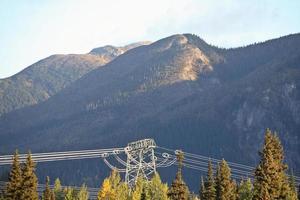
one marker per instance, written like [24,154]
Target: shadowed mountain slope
[45,78]
[180,91]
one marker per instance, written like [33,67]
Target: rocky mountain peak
[114,51]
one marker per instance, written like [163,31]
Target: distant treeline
[271,182]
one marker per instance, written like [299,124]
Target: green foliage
[245,190]
[202,189]
[58,192]
[29,181]
[178,189]
[83,193]
[156,189]
[209,186]
[113,189]
[139,189]
[14,186]
[48,194]
[225,187]
[271,180]
[69,193]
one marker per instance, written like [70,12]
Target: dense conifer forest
[271,182]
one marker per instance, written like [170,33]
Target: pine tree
[178,189]
[14,186]
[209,192]
[83,193]
[271,180]
[225,187]
[156,189]
[58,192]
[47,194]
[245,190]
[29,183]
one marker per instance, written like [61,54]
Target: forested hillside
[180,91]
[48,76]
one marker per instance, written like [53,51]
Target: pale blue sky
[34,29]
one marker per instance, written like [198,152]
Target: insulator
[116,151]
[166,155]
[104,155]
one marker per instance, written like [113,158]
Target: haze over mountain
[45,78]
[180,91]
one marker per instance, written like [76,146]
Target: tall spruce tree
[30,182]
[47,194]
[58,191]
[178,189]
[14,186]
[271,180]
[202,189]
[245,190]
[225,187]
[209,192]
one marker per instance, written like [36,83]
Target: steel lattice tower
[141,161]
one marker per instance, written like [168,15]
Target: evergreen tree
[69,193]
[271,180]
[209,192]
[225,187]
[299,192]
[47,194]
[156,189]
[30,182]
[245,191]
[2,197]
[292,185]
[202,189]
[14,186]
[178,189]
[58,192]
[83,193]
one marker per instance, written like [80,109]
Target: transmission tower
[141,160]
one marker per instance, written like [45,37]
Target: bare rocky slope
[180,91]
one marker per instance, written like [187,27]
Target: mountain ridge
[222,111]
[48,76]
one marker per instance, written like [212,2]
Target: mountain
[45,78]
[180,91]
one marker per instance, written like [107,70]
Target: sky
[31,30]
